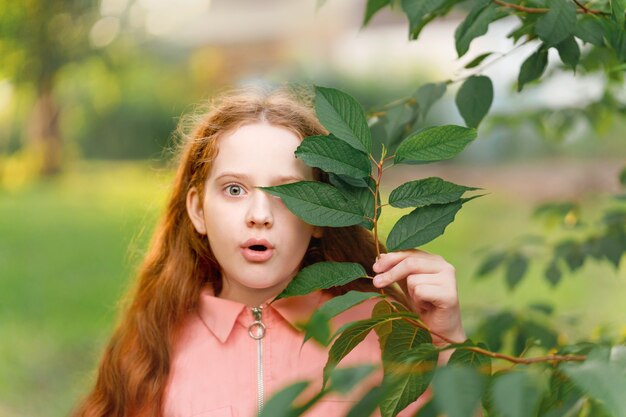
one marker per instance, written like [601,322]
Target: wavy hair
[133,371]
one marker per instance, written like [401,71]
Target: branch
[581,9]
[513,359]
[379,167]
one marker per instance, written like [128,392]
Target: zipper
[257,332]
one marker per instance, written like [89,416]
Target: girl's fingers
[388,260]
[432,292]
[400,267]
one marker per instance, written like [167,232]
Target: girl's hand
[430,284]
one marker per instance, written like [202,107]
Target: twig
[513,359]
[581,9]
[379,167]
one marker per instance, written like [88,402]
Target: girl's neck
[251,298]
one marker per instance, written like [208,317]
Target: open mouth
[257,250]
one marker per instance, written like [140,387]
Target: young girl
[199,337]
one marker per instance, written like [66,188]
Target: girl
[198,338]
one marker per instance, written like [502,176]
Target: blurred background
[90,96]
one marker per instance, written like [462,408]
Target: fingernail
[378,280]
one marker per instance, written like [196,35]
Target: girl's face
[257,241]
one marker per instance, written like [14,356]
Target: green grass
[68,249]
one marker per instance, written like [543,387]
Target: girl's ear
[318,232]
[195,210]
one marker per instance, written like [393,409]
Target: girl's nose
[260,210]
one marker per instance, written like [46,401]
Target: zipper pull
[257,328]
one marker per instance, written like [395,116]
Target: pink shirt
[219,370]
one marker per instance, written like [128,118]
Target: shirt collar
[220,315]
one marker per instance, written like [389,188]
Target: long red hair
[134,368]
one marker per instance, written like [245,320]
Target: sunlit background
[90,96]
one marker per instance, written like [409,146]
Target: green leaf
[280,405]
[363,195]
[399,336]
[496,327]
[396,119]
[622,176]
[601,380]
[516,394]
[616,38]
[344,117]
[420,13]
[434,144]
[333,155]
[590,29]
[470,358]
[475,24]
[478,60]
[368,403]
[558,24]
[562,396]
[409,377]
[344,380]
[350,336]
[491,263]
[425,192]
[318,203]
[372,7]
[515,269]
[569,52]
[457,390]
[553,273]
[322,275]
[318,327]
[427,95]
[571,251]
[532,68]
[618,7]
[421,225]
[474,99]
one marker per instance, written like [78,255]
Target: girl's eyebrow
[277,180]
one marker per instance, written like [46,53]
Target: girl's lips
[252,255]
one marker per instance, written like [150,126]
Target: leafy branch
[353,198]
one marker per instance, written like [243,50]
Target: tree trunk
[44,135]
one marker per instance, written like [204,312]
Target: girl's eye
[234,190]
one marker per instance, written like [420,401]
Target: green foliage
[408,356]
[372,7]
[421,13]
[280,403]
[516,394]
[333,155]
[349,337]
[318,204]
[533,67]
[458,390]
[474,99]
[434,144]
[427,191]
[602,378]
[322,275]
[558,23]
[569,51]
[318,326]
[422,225]
[604,242]
[409,375]
[427,95]
[475,24]
[344,117]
